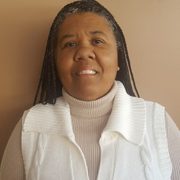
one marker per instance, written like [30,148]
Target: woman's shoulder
[40,107]
[153,107]
[155,113]
[45,117]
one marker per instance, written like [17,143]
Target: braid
[50,87]
[49,82]
[126,75]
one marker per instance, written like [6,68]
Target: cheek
[110,60]
[64,67]
[63,74]
[63,62]
[61,68]
[115,61]
[111,66]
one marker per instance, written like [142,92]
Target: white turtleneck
[89,119]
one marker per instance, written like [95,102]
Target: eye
[97,41]
[70,44]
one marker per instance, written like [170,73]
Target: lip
[86,71]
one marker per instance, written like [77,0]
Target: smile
[91,72]
[87,72]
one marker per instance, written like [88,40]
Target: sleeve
[173,135]
[12,161]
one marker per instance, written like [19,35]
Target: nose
[84,53]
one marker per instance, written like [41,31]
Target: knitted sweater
[89,117]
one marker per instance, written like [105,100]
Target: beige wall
[152,33]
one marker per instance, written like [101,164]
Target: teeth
[91,72]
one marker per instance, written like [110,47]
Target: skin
[86,56]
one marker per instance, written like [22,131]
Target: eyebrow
[97,32]
[66,36]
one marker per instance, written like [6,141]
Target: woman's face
[86,56]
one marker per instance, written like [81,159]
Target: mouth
[87,72]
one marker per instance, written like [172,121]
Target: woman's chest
[55,157]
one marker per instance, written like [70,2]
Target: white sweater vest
[133,143]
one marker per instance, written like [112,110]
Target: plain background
[151,28]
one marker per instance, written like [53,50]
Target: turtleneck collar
[128,116]
[91,109]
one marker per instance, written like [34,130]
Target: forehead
[87,20]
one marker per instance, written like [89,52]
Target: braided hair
[50,87]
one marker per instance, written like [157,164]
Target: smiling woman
[49,85]
[86,56]
[87,122]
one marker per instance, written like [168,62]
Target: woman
[87,125]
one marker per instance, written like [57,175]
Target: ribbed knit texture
[12,166]
[174,147]
[89,120]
